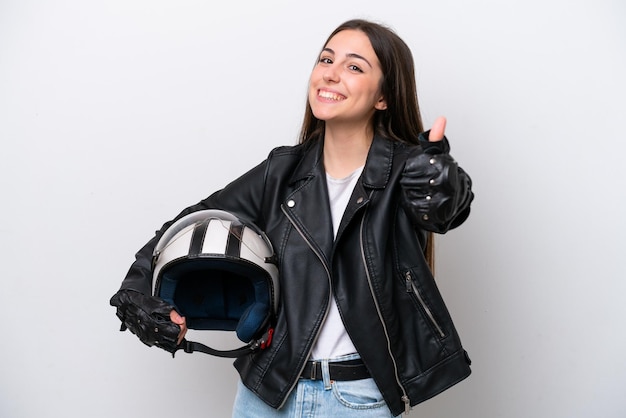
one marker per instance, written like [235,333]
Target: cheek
[312,99]
[313,82]
[312,95]
[374,91]
[316,75]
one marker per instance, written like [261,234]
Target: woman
[362,329]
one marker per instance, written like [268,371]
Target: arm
[153,320]
[436,192]
[242,197]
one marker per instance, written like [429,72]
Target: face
[345,84]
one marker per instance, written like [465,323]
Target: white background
[116,114]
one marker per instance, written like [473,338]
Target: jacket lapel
[375,176]
[307,206]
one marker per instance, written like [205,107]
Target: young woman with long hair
[361,329]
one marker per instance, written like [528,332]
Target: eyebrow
[350,55]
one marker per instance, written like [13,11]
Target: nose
[331,75]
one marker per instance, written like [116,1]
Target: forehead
[351,41]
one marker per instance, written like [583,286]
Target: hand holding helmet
[147,317]
[220,272]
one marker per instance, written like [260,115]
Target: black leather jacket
[385,292]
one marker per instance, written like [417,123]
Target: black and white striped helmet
[220,273]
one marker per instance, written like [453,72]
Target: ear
[381,104]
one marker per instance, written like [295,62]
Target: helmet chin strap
[259,344]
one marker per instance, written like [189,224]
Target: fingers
[438,129]
[180,321]
[176,318]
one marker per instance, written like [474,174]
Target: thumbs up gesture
[438,130]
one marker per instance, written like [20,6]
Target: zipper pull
[408,280]
[407,405]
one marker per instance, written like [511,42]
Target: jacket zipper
[405,396]
[329,295]
[411,288]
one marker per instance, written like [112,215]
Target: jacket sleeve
[242,197]
[436,192]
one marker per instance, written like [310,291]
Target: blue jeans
[318,399]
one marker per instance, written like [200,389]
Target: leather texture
[385,292]
[342,371]
[148,318]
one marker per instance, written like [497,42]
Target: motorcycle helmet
[220,273]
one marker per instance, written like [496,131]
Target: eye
[356,68]
[325,60]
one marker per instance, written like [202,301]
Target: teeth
[330,95]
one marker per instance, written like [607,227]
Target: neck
[345,150]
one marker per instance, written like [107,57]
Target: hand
[149,318]
[181,322]
[437,131]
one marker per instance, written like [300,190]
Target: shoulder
[294,155]
[287,151]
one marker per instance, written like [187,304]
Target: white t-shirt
[333,340]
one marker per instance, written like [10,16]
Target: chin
[325,116]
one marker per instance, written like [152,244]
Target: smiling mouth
[330,95]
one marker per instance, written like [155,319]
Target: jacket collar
[378,165]
[375,173]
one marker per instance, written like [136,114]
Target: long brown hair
[401,121]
